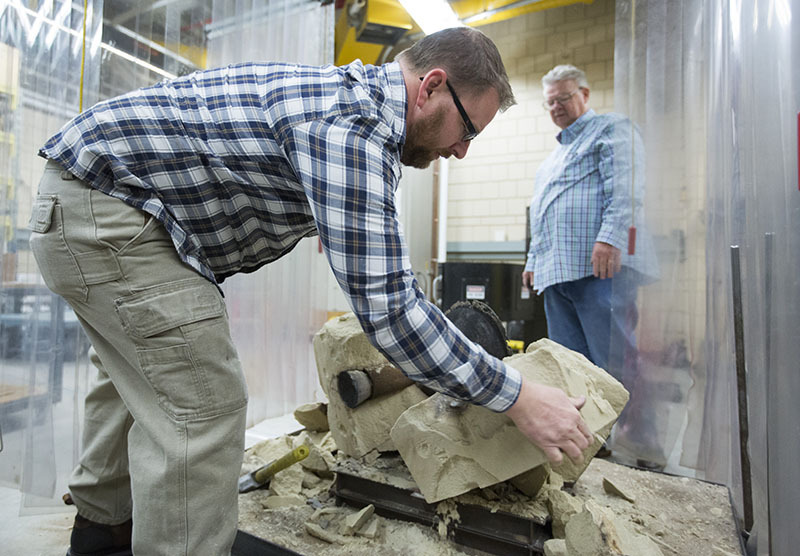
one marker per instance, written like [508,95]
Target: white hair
[563,73]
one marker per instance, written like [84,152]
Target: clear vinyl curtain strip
[753,186]
[276,311]
[654,88]
[43,366]
[715,88]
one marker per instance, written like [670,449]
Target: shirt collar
[396,92]
[569,134]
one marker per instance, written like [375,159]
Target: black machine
[499,285]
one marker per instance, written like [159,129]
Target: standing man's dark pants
[596,318]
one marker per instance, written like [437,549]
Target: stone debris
[313,416]
[597,530]
[320,458]
[615,490]
[604,395]
[450,452]
[307,478]
[341,345]
[531,482]
[447,515]
[322,534]
[276,501]
[555,547]
[354,522]
[562,506]
[456,455]
[370,530]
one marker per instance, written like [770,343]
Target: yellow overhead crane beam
[370,30]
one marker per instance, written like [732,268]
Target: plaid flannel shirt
[240,163]
[583,195]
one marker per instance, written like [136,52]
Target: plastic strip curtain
[657,84]
[43,364]
[715,89]
[44,367]
[753,102]
[276,311]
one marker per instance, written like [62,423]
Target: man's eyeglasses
[471,131]
[562,100]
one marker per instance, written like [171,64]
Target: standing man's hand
[550,419]
[527,280]
[606,260]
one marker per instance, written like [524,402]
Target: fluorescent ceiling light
[431,15]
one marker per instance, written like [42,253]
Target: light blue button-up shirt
[583,194]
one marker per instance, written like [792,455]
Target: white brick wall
[490,188]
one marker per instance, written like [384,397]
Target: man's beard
[418,134]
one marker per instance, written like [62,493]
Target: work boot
[90,538]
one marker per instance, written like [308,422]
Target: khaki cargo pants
[163,435]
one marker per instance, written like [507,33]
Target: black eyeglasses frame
[471,131]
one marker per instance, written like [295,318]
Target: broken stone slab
[562,506]
[342,345]
[449,452]
[313,416]
[353,522]
[555,547]
[606,390]
[531,482]
[597,530]
[316,531]
[370,530]
[615,490]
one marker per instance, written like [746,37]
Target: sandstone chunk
[615,490]
[450,452]
[356,520]
[370,530]
[313,416]
[555,547]
[598,531]
[562,506]
[341,345]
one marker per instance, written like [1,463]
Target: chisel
[261,476]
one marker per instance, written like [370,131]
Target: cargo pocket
[184,348]
[42,213]
[55,260]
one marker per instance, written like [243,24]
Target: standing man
[151,199]
[580,216]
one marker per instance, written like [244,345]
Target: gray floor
[45,531]
[32,535]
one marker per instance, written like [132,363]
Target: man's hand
[527,280]
[606,260]
[550,419]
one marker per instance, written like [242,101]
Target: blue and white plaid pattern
[242,162]
[583,195]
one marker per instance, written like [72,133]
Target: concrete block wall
[490,189]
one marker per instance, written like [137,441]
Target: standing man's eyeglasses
[561,101]
[471,131]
